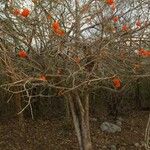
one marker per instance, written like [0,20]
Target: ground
[55,134]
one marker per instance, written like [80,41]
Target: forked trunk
[80,115]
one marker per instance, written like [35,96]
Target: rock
[120,119]
[131,147]
[113,147]
[118,122]
[142,144]
[104,148]
[124,144]
[110,127]
[136,144]
[122,148]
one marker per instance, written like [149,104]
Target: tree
[73,48]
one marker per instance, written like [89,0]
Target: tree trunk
[137,94]
[80,115]
[68,115]
[18,109]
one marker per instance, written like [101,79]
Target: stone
[122,148]
[142,144]
[104,147]
[110,127]
[118,122]
[124,144]
[120,119]
[113,147]
[136,144]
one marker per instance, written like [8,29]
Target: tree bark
[80,115]
[137,95]
[19,108]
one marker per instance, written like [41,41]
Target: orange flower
[56,26]
[147,53]
[110,2]
[124,28]
[113,7]
[49,17]
[57,29]
[117,83]
[138,23]
[25,12]
[16,12]
[42,77]
[22,54]
[60,32]
[143,52]
[115,19]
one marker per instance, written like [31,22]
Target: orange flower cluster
[117,83]
[125,28]
[57,29]
[42,77]
[115,19]
[25,13]
[22,54]
[110,2]
[138,23]
[16,12]
[113,7]
[49,17]
[143,52]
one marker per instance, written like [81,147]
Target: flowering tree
[73,48]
